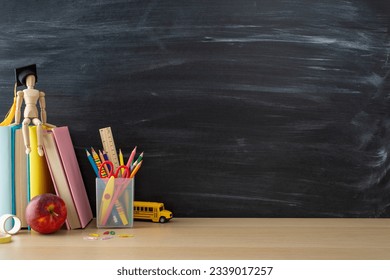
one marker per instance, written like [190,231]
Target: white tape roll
[3,220]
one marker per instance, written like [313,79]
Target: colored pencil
[93,164]
[121,162]
[105,156]
[136,168]
[102,159]
[98,162]
[131,158]
[121,158]
[139,159]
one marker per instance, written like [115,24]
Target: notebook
[60,180]
[72,171]
[40,179]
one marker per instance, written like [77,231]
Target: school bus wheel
[162,219]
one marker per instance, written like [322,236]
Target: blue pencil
[92,162]
[105,156]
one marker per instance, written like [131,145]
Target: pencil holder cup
[114,202]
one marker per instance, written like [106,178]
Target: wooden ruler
[109,145]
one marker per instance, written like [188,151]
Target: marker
[92,162]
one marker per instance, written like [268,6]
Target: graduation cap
[22,73]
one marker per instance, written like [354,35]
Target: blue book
[6,172]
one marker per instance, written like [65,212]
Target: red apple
[46,213]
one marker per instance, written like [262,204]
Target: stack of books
[26,176]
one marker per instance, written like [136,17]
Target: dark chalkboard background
[243,108]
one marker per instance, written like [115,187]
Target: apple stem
[51,210]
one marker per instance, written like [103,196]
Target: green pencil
[141,156]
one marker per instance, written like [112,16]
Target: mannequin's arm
[19,101]
[42,104]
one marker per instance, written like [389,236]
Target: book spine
[5,171]
[40,179]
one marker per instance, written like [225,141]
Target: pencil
[136,168]
[139,159]
[102,159]
[121,160]
[92,162]
[131,158]
[105,155]
[98,162]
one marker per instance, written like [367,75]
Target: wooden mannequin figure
[28,76]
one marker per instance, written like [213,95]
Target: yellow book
[40,178]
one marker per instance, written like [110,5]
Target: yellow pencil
[121,212]
[121,162]
[102,159]
[136,168]
[98,162]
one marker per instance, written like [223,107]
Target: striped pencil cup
[114,202]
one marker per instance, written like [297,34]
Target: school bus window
[150,209]
[161,208]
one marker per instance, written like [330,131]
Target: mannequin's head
[26,75]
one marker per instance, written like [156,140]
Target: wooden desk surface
[215,238]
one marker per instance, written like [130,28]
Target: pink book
[73,174]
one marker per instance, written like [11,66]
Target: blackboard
[243,108]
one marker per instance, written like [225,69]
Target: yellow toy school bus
[154,211]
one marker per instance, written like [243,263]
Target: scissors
[110,165]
